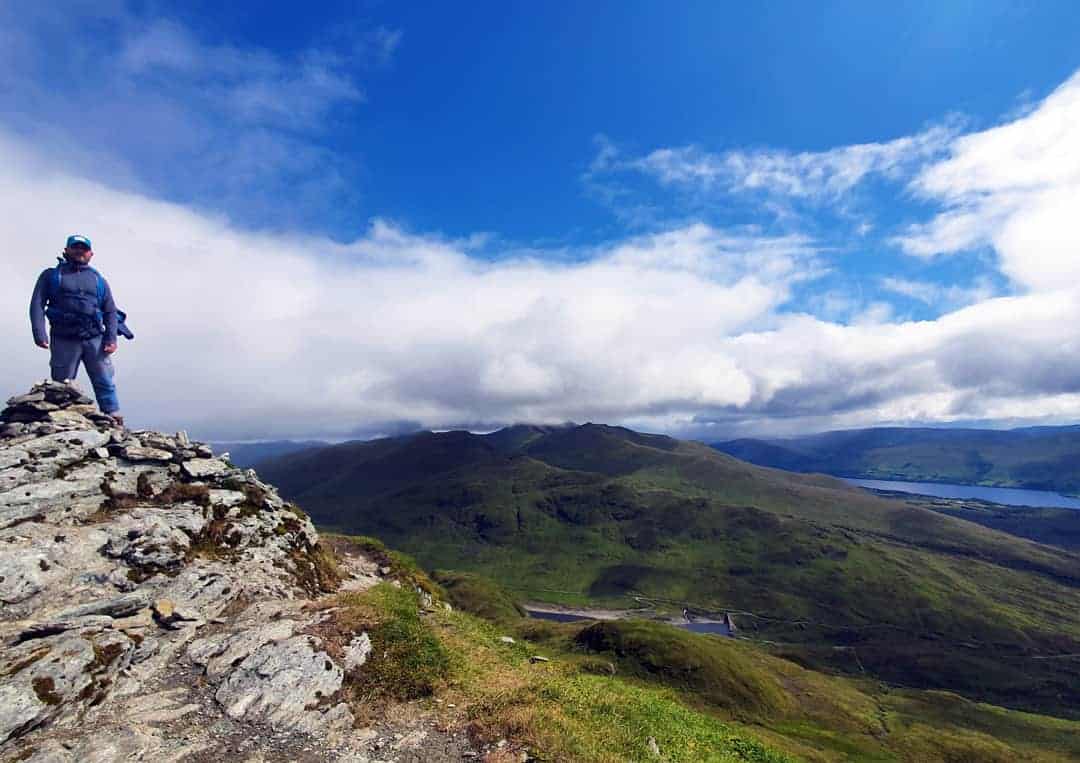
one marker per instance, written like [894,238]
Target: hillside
[833,575]
[1036,458]
[1055,527]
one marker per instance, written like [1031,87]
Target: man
[82,317]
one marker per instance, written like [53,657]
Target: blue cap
[77,239]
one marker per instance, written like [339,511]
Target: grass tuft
[407,660]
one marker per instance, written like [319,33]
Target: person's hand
[109,348]
[43,344]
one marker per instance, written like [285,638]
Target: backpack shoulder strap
[100,287]
[57,277]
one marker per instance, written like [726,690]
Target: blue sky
[845,173]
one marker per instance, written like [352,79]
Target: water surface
[699,627]
[1004,495]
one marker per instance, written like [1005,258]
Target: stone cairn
[50,407]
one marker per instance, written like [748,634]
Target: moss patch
[45,689]
[407,660]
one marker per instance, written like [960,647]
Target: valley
[817,571]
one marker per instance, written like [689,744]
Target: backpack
[88,326]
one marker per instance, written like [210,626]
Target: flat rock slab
[200,468]
[143,453]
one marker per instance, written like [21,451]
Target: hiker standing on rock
[83,322]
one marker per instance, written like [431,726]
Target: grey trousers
[65,356]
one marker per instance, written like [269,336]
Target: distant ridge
[1035,458]
[248,454]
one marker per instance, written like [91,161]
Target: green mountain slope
[640,690]
[247,454]
[1055,527]
[834,576]
[1037,458]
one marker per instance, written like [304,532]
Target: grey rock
[219,655]
[119,606]
[146,649]
[61,625]
[199,468]
[39,406]
[357,651]
[12,457]
[12,429]
[142,453]
[30,397]
[45,688]
[159,441]
[226,498]
[86,672]
[21,575]
[154,538]
[278,681]
[69,419]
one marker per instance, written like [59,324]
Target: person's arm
[37,310]
[108,313]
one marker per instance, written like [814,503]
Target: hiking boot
[118,419]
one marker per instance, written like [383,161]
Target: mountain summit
[161,604]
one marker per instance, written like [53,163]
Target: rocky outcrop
[156,601]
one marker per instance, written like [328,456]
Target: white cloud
[245,334]
[940,295]
[246,331]
[152,104]
[1015,187]
[815,175]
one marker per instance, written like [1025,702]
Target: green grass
[702,698]
[562,713]
[1053,526]
[623,716]
[407,659]
[479,596]
[610,686]
[713,669]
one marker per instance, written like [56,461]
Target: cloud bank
[247,334]
[701,327]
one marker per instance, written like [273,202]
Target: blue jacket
[78,294]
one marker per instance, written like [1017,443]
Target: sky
[710,219]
